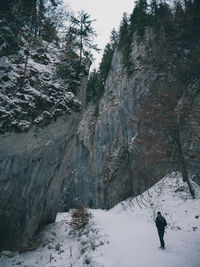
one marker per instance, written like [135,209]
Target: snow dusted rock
[25,98]
[21,125]
[8,254]
[38,120]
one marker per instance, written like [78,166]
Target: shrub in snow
[80,219]
[57,247]
[8,254]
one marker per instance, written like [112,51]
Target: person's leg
[162,239]
[161,235]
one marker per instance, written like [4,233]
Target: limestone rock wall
[33,168]
[128,142]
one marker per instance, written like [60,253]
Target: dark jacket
[160,222]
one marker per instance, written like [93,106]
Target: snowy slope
[125,236]
[133,236]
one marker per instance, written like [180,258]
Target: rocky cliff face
[107,152]
[33,167]
[38,119]
[140,127]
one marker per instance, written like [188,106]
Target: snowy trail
[125,246]
[126,235]
[133,241]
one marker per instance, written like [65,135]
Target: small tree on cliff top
[83,34]
[97,79]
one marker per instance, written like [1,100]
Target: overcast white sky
[108,14]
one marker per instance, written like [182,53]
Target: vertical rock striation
[33,166]
[129,141]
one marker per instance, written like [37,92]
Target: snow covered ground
[124,236]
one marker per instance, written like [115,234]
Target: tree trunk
[81,47]
[182,165]
[40,15]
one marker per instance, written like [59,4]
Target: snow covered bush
[80,218]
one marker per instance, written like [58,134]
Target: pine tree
[124,34]
[106,61]
[114,36]
[97,79]
[192,11]
[83,33]
[94,87]
[139,17]
[179,20]
[153,12]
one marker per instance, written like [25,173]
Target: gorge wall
[108,151]
[141,127]
[38,120]
[33,166]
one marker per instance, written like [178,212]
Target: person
[161,224]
